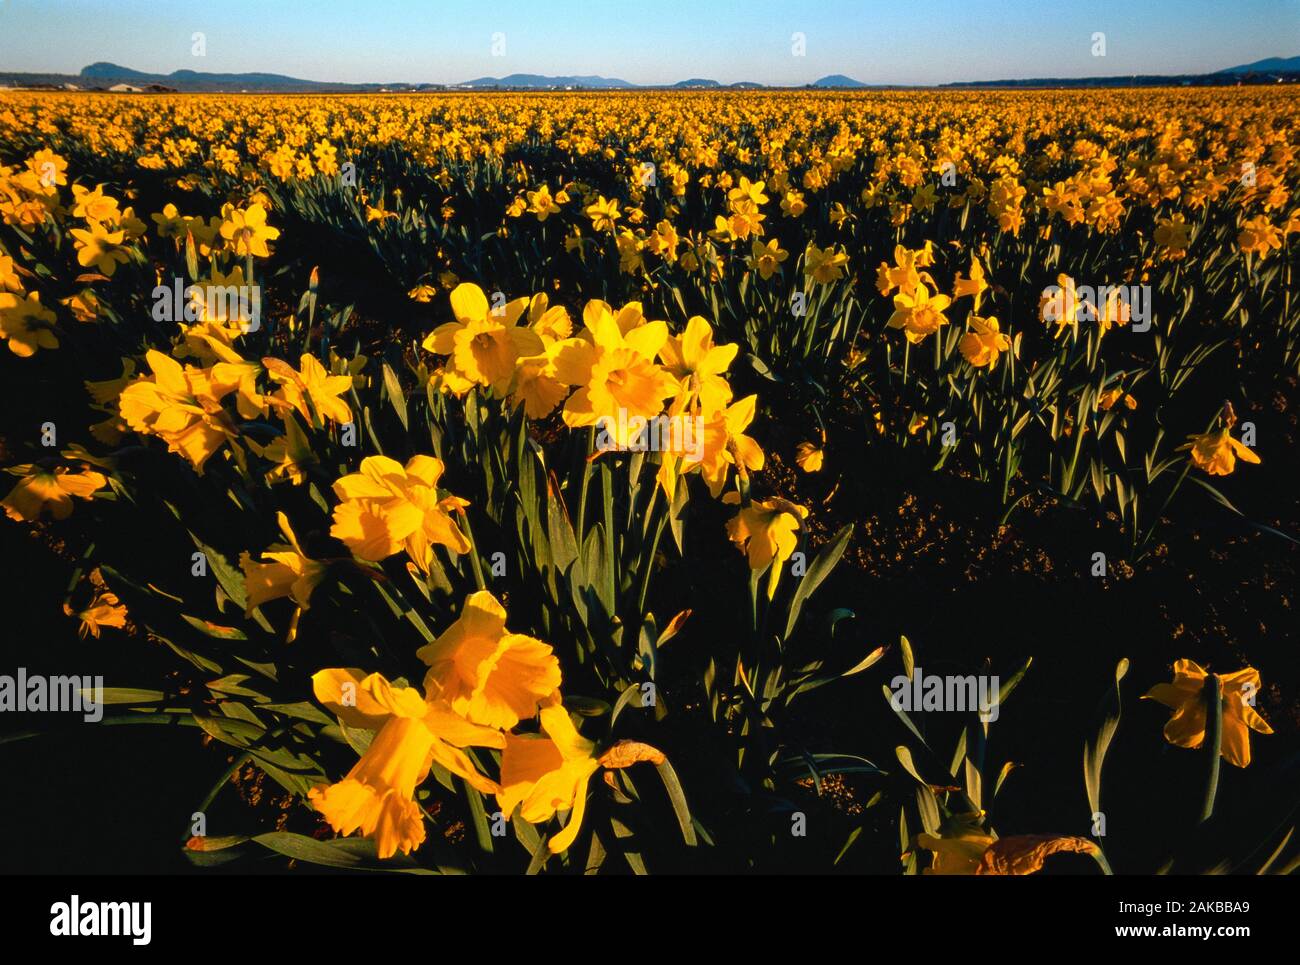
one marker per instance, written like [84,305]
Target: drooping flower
[766,530]
[1185,697]
[180,405]
[44,487]
[377,797]
[284,571]
[1216,452]
[104,611]
[312,384]
[965,848]
[983,343]
[975,285]
[387,507]
[548,772]
[488,675]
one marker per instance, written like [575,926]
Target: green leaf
[818,570]
[353,854]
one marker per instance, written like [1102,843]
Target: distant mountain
[837,80]
[1270,65]
[104,74]
[541,81]
[106,71]
[108,76]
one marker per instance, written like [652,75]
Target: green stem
[1212,694]
[473,552]
[580,522]
[239,762]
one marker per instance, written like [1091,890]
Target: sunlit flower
[284,571]
[488,675]
[25,324]
[180,405]
[983,343]
[312,392]
[809,457]
[387,507]
[1216,452]
[918,313]
[411,733]
[767,530]
[104,611]
[246,231]
[42,488]
[484,343]
[1186,698]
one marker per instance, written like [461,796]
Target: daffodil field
[886,482]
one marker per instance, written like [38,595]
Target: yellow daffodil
[603,214]
[284,571]
[809,457]
[824,265]
[918,313]
[1258,236]
[44,488]
[100,248]
[766,259]
[615,371]
[180,405]
[699,365]
[548,772]
[104,611]
[903,275]
[246,232]
[387,507]
[983,343]
[488,675]
[1217,452]
[25,324]
[974,286]
[1062,305]
[1185,697]
[484,343]
[377,797]
[766,530]
[311,385]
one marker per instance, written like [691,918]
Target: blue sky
[651,41]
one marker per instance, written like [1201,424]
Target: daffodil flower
[1186,728]
[377,797]
[488,675]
